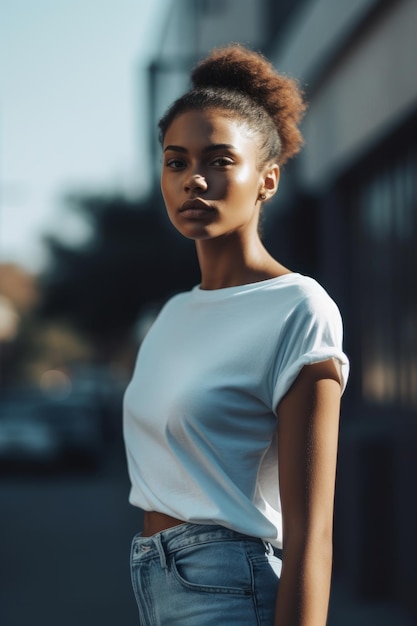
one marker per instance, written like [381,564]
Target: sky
[72,112]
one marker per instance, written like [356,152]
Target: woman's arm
[308,424]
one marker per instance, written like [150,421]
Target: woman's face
[210,177]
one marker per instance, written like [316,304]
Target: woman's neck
[225,262]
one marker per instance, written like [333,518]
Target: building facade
[359,169]
[346,213]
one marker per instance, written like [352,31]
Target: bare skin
[212,185]
[154,522]
[308,422]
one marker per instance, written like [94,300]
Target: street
[64,546]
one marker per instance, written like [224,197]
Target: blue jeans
[204,575]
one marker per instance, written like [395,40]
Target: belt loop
[268,547]
[159,546]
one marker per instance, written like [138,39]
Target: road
[64,546]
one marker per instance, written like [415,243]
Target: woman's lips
[196,209]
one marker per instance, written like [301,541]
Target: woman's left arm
[308,425]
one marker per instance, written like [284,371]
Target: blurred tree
[133,258]
[18,296]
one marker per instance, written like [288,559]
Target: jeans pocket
[266,571]
[216,567]
[266,567]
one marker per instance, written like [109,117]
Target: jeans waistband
[186,535]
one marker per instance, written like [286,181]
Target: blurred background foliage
[85,306]
[132,259]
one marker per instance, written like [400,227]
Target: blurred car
[76,422]
[26,439]
[43,429]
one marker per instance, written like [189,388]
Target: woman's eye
[222,161]
[175,163]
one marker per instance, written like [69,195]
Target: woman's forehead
[214,125]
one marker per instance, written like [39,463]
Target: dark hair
[245,85]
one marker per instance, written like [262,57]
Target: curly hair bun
[236,68]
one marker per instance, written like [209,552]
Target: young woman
[231,418]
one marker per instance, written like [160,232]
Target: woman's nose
[196,182]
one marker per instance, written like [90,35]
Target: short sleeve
[312,332]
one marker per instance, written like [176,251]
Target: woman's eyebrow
[176,149]
[219,146]
[211,148]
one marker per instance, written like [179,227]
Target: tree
[133,258]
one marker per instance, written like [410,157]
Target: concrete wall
[367,91]
[231,20]
[317,32]
[195,27]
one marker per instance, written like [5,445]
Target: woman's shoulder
[310,290]
[305,297]
[299,288]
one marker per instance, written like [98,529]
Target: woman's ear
[270,180]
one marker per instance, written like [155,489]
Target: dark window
[383,211]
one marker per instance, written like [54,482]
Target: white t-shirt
[200,410]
